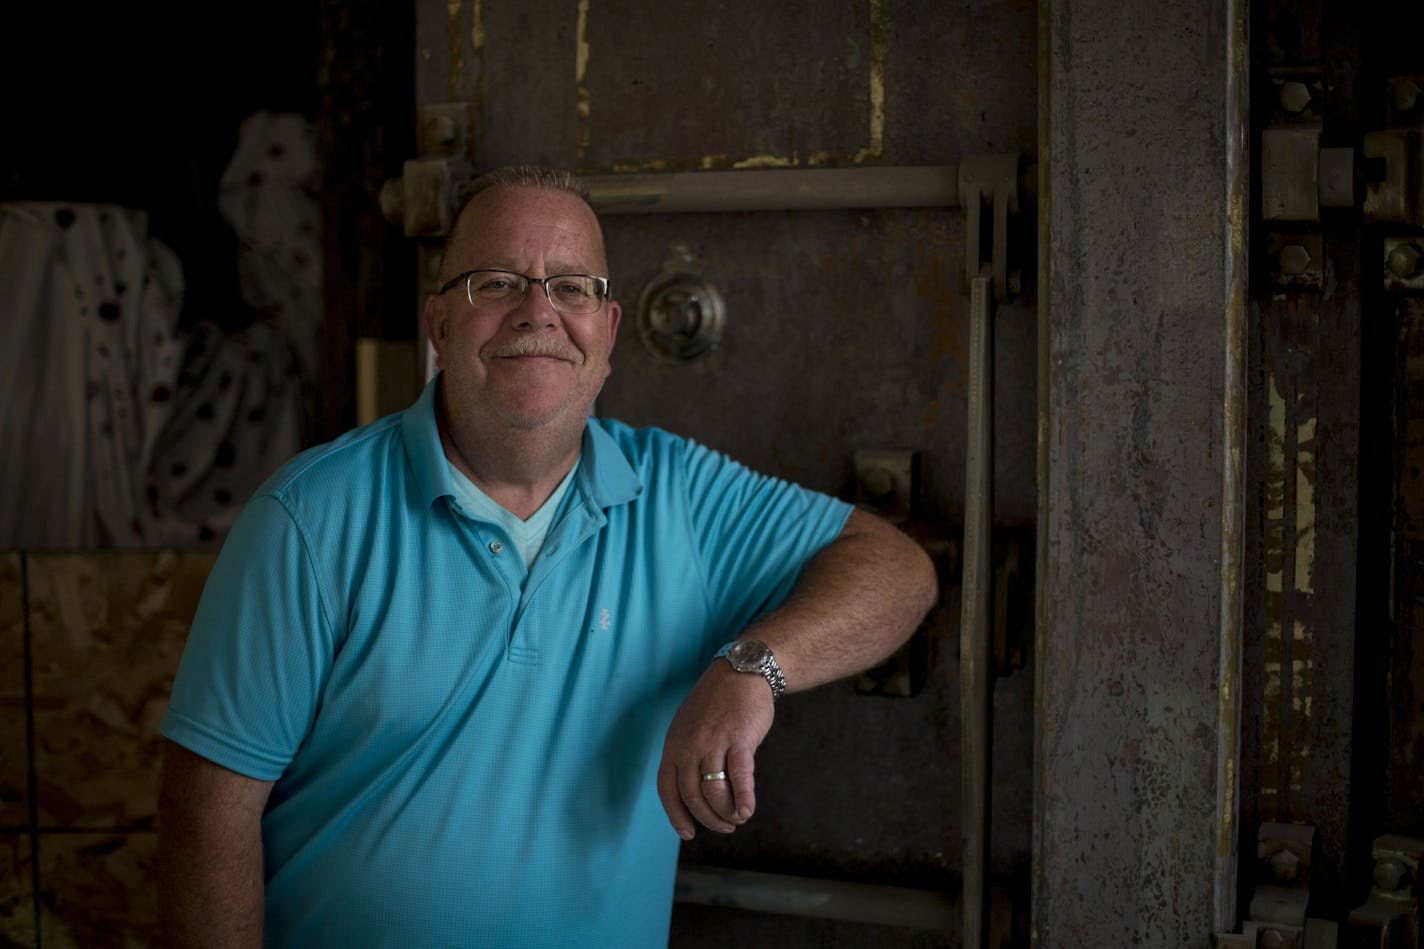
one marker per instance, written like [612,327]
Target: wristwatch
[752,655]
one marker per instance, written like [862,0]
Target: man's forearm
[855,603]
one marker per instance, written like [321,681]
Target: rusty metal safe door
[821,334]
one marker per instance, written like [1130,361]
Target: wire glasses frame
[573,293]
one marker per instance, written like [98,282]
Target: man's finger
[717,792]
[668,792]
[690,782]
[741,767]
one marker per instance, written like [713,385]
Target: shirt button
[495,546]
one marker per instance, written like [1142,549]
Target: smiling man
[464,676]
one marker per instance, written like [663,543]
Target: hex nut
[1404,260]
[1294,97]
[1390,874]
[1404,95]
[1285,866]
[1293,259]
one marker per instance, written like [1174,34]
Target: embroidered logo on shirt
[605,619]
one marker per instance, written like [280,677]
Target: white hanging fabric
[90,304]
[117,431]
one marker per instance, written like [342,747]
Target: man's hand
[718,728]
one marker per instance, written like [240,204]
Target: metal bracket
[990,181]
[423,200]
[1389,918]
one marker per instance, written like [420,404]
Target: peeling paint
[1290,555]
[877,86]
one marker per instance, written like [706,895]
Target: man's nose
[535,310]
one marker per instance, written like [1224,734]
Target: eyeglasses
[573,293]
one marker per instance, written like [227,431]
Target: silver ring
[715,776]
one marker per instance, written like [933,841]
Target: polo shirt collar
[605,475]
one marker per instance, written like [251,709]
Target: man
[424,696]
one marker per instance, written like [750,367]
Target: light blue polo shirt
[465,753]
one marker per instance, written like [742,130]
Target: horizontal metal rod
[823,899]
[776,189]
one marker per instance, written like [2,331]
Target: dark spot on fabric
[153,495]
[257,415]
[255,178]
[224,382]
[64,217]
[205,533]
[222,496]
[178,469]
[161,394]
[185,380]
[136,526]
[109,311]
[205,411]
[102,350]
[226,456]
[299,259]
[277,150]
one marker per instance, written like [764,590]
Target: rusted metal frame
[985,181]
[976,609]
[875,904]
[1233,475]
[775,189]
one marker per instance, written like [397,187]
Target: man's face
[528,365]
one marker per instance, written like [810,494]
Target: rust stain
[477,45]
[454,41]
[585,106]
[873,150]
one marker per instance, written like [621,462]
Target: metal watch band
[752,655]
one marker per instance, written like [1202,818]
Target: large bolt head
[1294,97]
[1404,260]
[1294,259]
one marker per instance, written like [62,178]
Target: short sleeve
[259,651]
[754,533]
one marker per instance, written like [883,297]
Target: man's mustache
[532,346]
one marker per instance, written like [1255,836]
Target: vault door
[838,332]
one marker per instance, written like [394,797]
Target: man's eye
[494,285]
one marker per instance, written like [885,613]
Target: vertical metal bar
[975,607]
[1228,738]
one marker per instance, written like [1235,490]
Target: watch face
[748,656]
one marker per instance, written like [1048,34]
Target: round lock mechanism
[680,315]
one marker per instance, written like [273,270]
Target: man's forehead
[540,219]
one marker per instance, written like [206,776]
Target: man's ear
[434,319]
[615,313]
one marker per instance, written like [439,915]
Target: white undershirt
[527,535]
